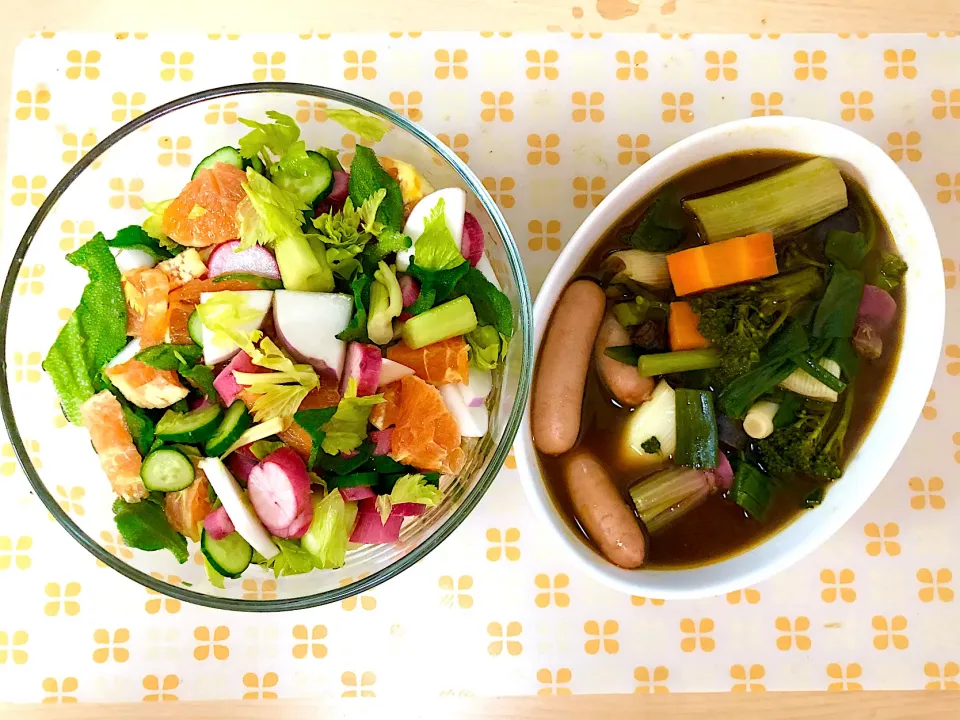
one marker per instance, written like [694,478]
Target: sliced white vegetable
[803,384]
[471,420]
[454,208]
[132,348]
[131,258]
[238,507]
[391,371]
[654,418]
[475,391]
[218,352]
[646,268]
[308,324]
[257,432]
[486,268]
[758,423]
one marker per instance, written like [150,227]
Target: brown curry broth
[718,528]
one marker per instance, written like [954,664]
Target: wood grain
[759,706]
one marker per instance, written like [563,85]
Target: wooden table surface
[529,15]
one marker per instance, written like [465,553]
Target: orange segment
[439,364]
[103,418]
[146,386]
[216,192]
[183,301]
[384,415]
[425,435]
[186,509]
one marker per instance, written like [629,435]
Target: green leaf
[368,127]
[436,248]
[837,311]
[326,538]
[262,448]
[343,465]
[200,377]
[366,177]
[486,347]
[436,286]
[312,421]
[661,227]
[94,333]
[848,249]
[136,238]
[140,426]
[890,272]
[144,526]
[626,354]
[215,578]
[491,305]
[277,136]
[268,213]
[170,357]
[356,330]
[292,560]
[814,498]
[332,157]
[390,241]
[414,488]
[348,426]
[651,445]
[153,225]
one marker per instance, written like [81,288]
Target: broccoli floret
[739,321]
[802,446]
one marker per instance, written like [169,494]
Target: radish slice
[226,384]
[361,492]
[218,524]
[454,207]
[338,194]
[198,403]
[478,387]
[724,472]
[242,462]
[224,349]
[484,266]
[369,529]
[471,244]
[382,438]
[471,420]
[363,364]
[408,509]
[131,349]
[132,259]
[391,371]
[256,260]
[308,324]
[409,289]
[279,490]
[237,507]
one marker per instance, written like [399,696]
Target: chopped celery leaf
[368,127]
[487,347]
[436,248]
[262,448]
[326,539]
[291,560]
[277,136]
[414,488]
[348,426]
[95,332]
[215,578]
[268,212]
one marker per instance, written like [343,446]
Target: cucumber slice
[262,283]
[354,480]
[256,163]
[195,328]
[167,470]
[192,427]
[309,180]
[235,422]
[229,556]
[226,154]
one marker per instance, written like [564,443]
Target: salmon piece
[146,386]
[156,290]
[183,268]
[425,434]
[441,363]
[295,436]
[103,417]
[186,509]
[216,192]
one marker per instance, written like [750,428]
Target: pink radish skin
[218,524]
[226,384]
[877,308]
[391,371]
[724,472]
[198,403]
[241,463]
[363,364]
[409,289]
[361,492]
[408,509]
[369,530]
[256,260]
[382,438]
[471,242]
[279,490]
[338,194]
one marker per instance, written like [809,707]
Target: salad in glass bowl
[292,358]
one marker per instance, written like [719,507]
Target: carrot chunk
[682,328]
[722,263]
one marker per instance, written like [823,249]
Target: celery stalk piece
[440,323]
[300,268]
[676,362]
[783,203]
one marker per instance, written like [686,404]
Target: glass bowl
[194,126]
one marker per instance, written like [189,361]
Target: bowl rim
[473,496]
[577,249]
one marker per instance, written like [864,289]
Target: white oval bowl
[910,226]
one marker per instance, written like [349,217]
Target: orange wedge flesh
[425,433]
[103,418]
[216,192]
[441,363]
[186,509]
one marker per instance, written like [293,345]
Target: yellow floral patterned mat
[551,123]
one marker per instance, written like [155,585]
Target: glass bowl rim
[473,496]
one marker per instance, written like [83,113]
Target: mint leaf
[170,357]
[144,525]
[366,177]
[312,421]
[491,305]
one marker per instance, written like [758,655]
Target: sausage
[604,515]
[626,385]
[564,361]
